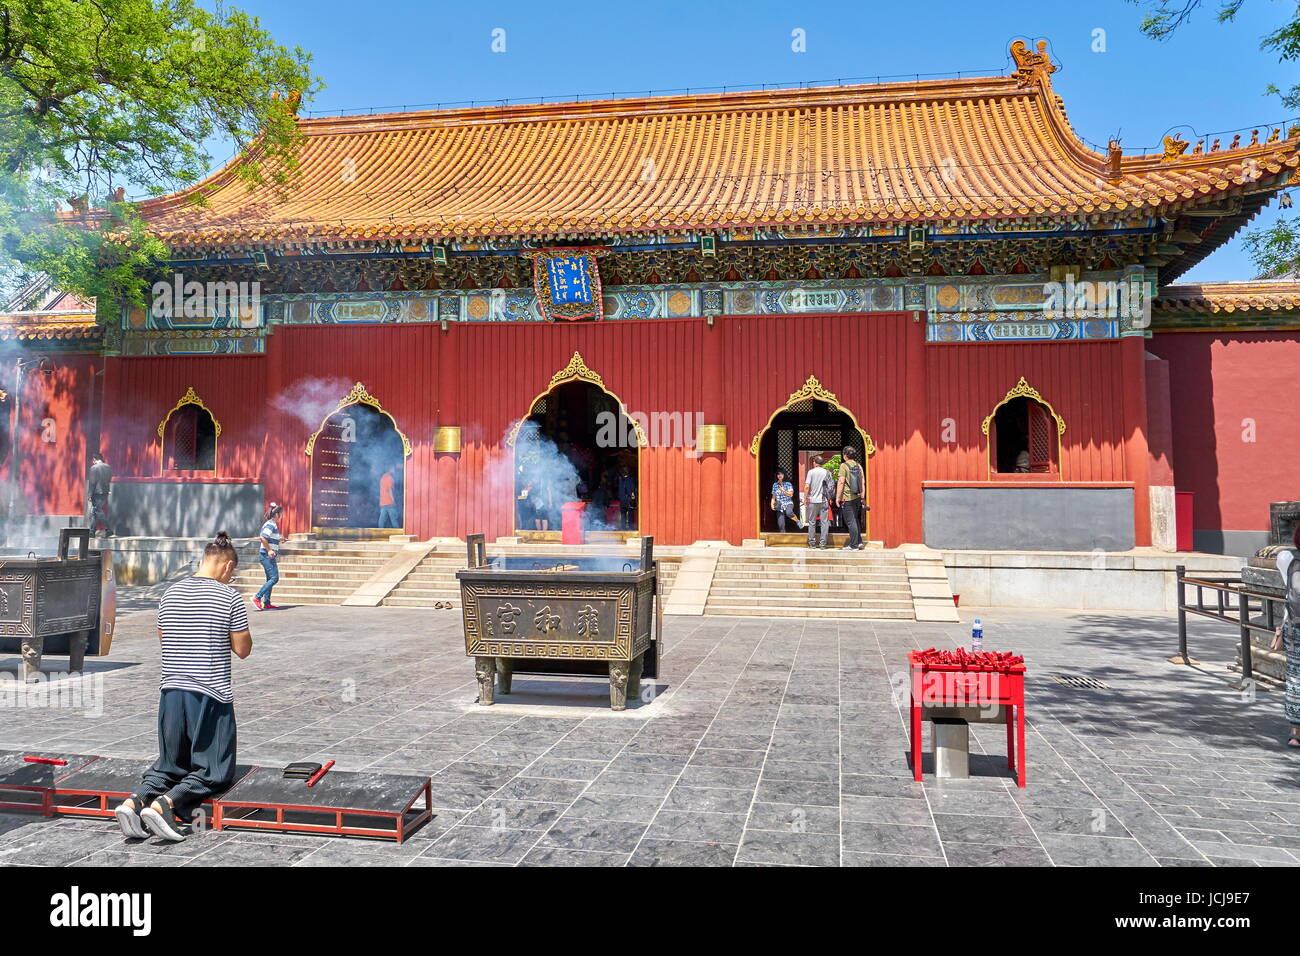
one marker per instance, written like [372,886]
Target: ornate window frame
[189,398]
[1023,389]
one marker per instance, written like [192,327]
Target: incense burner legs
[485,669]
[31,653]
[77,651]
[618,675]
[634,677]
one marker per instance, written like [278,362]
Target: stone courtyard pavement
[770,742]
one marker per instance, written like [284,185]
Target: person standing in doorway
[99,485]
[388,517]
[268,553]
[817,491]
[1287,638]
[200,621]
[626,497]
[848,497]
[782,500]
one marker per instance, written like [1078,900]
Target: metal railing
[1233,603]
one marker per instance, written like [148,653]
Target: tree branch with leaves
[98,96]
[1276,249]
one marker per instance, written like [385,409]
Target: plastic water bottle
[977,637]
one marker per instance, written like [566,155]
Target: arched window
[1024,434]
[189,436]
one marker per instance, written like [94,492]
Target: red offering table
[962,679]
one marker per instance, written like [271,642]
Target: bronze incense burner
[57,605]
[580,615]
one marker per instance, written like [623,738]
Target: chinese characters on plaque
[567,282]
[507,620]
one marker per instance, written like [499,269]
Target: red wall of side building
[1233,422]
[59,406]
[484,377]
[141,391]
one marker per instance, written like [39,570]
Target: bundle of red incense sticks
[995,660]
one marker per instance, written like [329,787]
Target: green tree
[99,98]
[1274,250]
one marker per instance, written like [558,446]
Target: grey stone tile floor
[767,743]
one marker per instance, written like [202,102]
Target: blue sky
[1208,78]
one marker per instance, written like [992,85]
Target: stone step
[795,578]
[435,592]
[393,601]
[813,593]
[763,599]
[811,567]
[746,610]
[325,561]
[828,558]
[289,570]
[344,589]
[838,567]
[350,574]
[368,553]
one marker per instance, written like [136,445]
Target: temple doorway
[358,472]
[805,428]
[577,444]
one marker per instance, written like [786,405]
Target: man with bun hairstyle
[200,621]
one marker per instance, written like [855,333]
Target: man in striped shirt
[200,621]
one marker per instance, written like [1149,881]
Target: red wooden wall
[52,475]
[484,377]
[1234,423]
[141,391]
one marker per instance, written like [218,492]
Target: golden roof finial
[1030,64]
[1114,160]
[1174,148]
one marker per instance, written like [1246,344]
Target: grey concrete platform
[769,742]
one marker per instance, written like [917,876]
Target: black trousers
[853,521]
[99,514]
[196,750]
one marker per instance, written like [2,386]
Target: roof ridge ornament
[292,100]
[1114,162]
[1030,64]
[1174,149]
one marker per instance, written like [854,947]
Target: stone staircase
[434,578]
[317,572]
[431,581]
[329,572]
[780,582]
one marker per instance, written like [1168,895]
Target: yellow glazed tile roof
[997,149]
[37,326]
[1228,297]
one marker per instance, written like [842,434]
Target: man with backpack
[819,489]
[848,497]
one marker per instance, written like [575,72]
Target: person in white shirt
[1288,635]
[817,490]
[268,554]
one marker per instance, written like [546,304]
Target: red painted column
[445,494]
[909,528]
[1136,453]
[712,522]
[1160,429]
